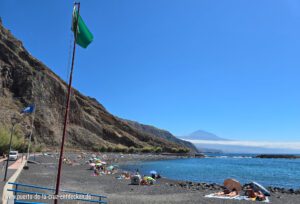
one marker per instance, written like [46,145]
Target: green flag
[84,36]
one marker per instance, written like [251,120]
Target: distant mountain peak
[202,135]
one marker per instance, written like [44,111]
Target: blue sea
[215,168]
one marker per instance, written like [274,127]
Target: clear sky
[228,67]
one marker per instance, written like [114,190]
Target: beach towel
[238,197]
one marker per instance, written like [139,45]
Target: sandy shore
[77,177]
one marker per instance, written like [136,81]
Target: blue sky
[228,67]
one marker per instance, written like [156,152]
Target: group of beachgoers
[100,167]
[137,179]
[233,189]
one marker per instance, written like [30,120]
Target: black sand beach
[77,177]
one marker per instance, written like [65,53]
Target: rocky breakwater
[194,186]
[284,190]
[277,156]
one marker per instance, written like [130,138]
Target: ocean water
[216,168]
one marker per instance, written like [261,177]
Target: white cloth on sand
[238,197]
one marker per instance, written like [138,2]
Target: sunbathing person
[228,193]
[96,172]
[255,195]
[126,175]
[144,182]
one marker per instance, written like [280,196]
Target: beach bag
[135,180]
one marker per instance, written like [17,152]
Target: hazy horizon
[254,147]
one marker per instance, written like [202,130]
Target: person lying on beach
[228,193]
[143,182]
[147,180]
[96,172]
[127,175]
[255,195]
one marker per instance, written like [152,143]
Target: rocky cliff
[161,133]
[25,80]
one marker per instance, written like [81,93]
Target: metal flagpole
[29,142]
[67,110]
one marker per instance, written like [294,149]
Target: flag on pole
[84,36]
[28,109]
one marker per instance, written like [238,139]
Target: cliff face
[25,80]
[161,133]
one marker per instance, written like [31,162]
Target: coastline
[192,184]
[77,177]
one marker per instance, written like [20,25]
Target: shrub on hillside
[147,149]
[18,142]
[120,148]
[102,149]
[109,149]
[180,150]
[158,150]
[183,150]
[38,148]
[132,150]
[174,150]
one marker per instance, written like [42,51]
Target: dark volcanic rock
[25,80]
[277,156]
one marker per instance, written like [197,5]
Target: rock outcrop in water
[25,80]
[277,156]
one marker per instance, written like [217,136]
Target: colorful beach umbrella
[153,172]
[232,184]
[111,167]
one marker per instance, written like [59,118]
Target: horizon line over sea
[246,147]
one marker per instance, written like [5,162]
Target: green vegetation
[183,150]
[158,150]
[148,149]
[102,149]
[132,150]
[120,148]
[109,149]
[18,142]
[36,148]
[180,150]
